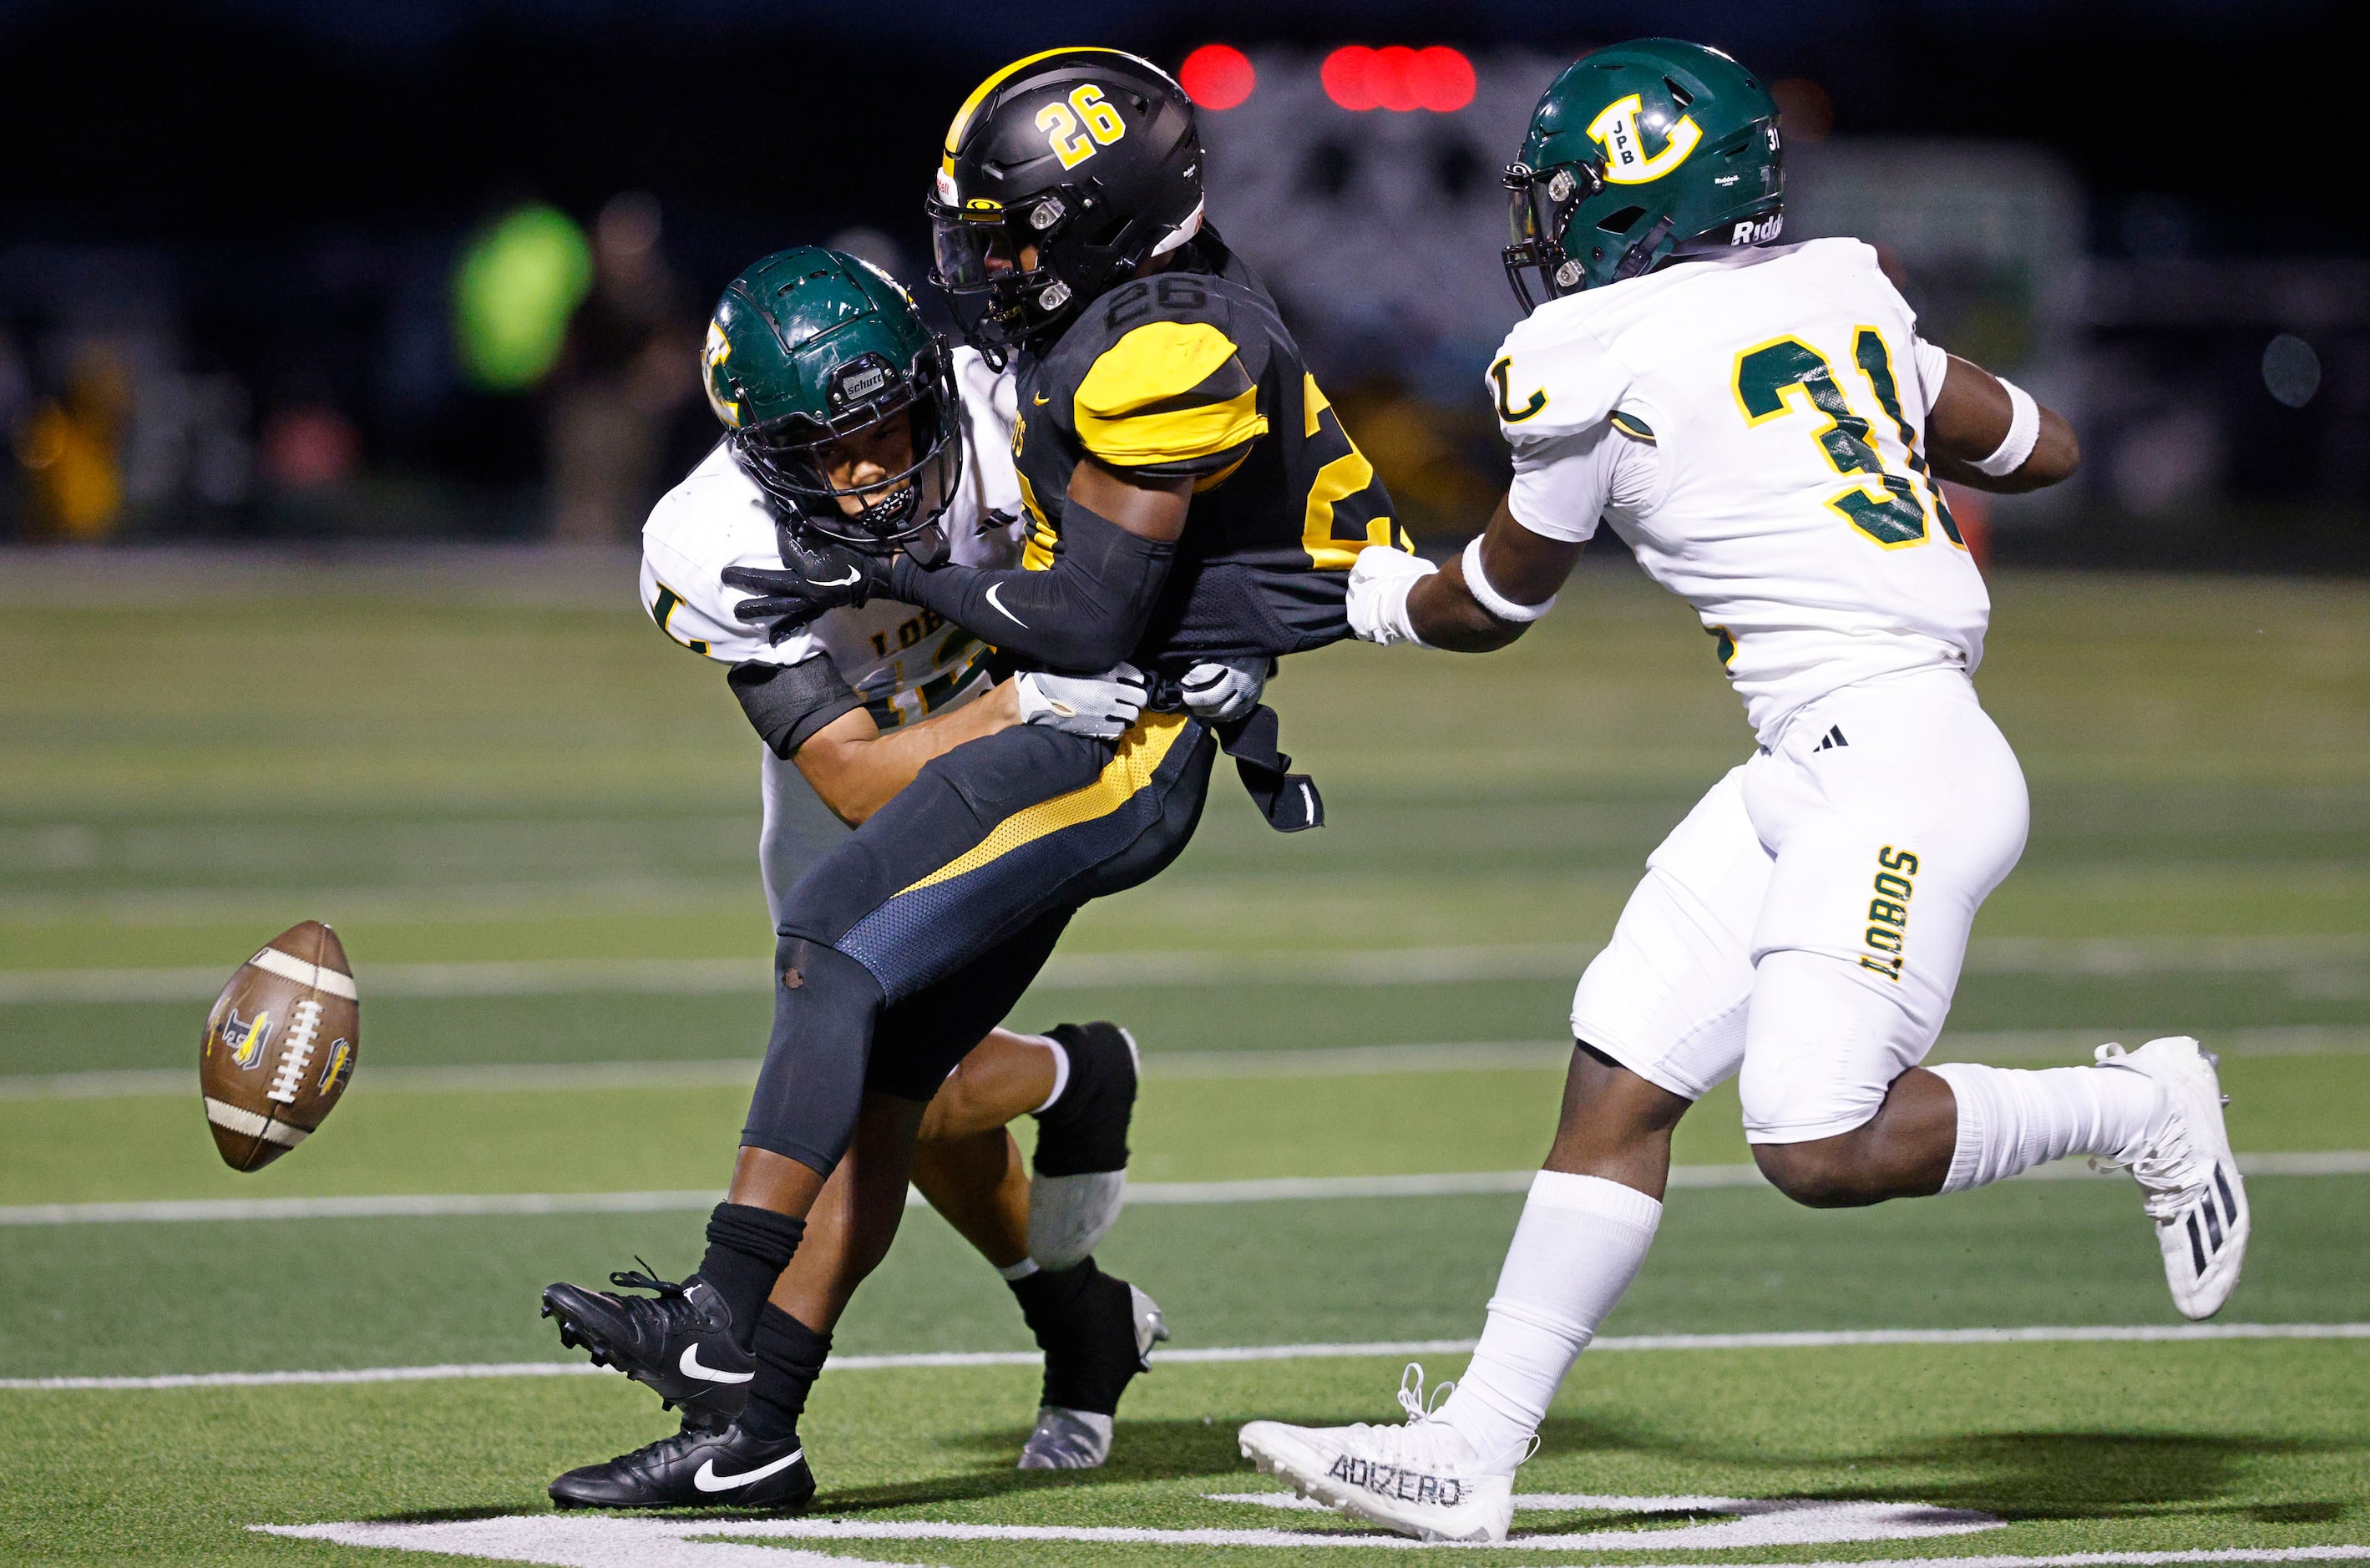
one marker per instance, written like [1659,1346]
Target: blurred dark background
[436,269]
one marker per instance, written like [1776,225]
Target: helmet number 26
[1060,124]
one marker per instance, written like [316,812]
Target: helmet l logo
[1616,130]
[719,349]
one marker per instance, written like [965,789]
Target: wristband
[2023,432]
[1490,598]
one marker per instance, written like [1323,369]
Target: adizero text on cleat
[699,1467]
[1419,1478]
[2193,1192]
[677,1340]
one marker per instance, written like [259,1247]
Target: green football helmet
[1637,154]
[810,347]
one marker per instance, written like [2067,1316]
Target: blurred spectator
[518,281]
[309,448]
[16,402]
[629,359]
[70,449]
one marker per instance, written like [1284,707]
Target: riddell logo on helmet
[1758,231]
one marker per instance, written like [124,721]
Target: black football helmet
[1089,159]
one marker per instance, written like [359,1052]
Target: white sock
[1580,1243]
[1061,1069]
[2010,1120]
[1015,1273]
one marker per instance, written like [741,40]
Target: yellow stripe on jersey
[979,94]
[1129,772]
[1168,391]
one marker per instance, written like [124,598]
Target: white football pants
[1805,924]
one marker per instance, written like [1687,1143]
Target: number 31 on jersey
[1787,375]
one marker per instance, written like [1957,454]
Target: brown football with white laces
[280,1045]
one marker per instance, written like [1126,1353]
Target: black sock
[789,1358]
[1089,1345]
[747,1250]
[1084,1130]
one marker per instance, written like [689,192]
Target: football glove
[1102,707]
[1379,582]
[816,575]
[1225,691]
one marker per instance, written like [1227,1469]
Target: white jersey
[1752,424]
[903,661]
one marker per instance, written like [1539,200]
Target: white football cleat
[1419,1478]
[2194,1190]
[1067,1439]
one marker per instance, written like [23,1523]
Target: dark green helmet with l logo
[1638,153]
[810,348]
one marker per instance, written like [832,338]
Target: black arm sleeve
[787,702]
[1083,615]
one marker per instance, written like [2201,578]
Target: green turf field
[533,822]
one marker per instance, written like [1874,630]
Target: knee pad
[1821,1048]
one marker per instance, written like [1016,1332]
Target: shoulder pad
[1168,378]
[702,526]
[1552,376]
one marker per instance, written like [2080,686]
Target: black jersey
[1193,374]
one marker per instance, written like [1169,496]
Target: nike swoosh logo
[999,604]
[693,1369]
[706,1480]
[1038,397]
[850,580]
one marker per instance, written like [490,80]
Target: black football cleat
[677,1340]
[699,1467]
[1080,1166]
[1097,1332]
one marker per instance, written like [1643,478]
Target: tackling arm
[806,713]
[1088,611]
[1482,600]
[1979,421]
[857,769]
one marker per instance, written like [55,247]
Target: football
[280,1045]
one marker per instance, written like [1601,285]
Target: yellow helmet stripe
[979,94]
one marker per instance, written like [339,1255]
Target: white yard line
[1807,1340]
[1271,1189]
[1196,967]
[607,1541]
[2060,1046]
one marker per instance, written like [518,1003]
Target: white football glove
[1379,582]
[1102,707]
[1226,690]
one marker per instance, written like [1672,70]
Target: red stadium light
[1344,74]
[1217,76]
[1399,78]
[1442,79]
